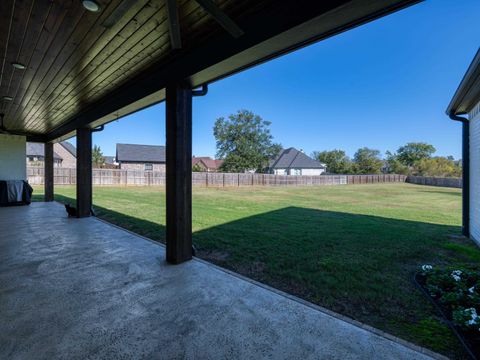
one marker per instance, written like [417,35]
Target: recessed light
[7,98]
[91,5]
[18,66]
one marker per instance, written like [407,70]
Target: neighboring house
[68,152]
[293,162]
[141,157]
[206,163]
[64,154]
[465,108]
[110,162]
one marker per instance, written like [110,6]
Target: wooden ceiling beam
[222,18]
[174,24]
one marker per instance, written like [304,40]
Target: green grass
[352,249]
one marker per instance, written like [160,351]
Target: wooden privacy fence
[435,181]
[66,176]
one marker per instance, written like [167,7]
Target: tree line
[245,143]
[414,158]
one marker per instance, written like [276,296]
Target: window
[148,167]
[296,172]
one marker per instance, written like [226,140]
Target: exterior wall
[474,117]
[13,152]
[313,171]
[38,161]
[69,161]
[309,172]
[141,166]
[280,171]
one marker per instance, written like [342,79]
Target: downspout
[97,129]
[465,172]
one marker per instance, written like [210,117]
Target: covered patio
[81,288]
[91,290]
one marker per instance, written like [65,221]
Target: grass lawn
[352,249]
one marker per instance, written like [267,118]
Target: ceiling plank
[30,54]
[228,24]
[125,60]
[50,21]
[174,24]
[93,56]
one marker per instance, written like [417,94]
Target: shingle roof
[69,147]
[38,149]
[208,161]
[292,158]
[140,153]
[109,159]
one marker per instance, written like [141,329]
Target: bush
[458,291]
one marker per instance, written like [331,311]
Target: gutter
[465,172]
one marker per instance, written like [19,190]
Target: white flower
[427,267]
[471,290]
[473,316]
[456,275]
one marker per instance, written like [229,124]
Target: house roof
[38,149]
[207,161]
[140,153]
[109,159]
[468,92]
[69,147]
[292,158]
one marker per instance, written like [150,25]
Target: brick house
[65,154]
[206,163]
[141,157]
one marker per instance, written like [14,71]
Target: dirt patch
[254,269]
[215,256]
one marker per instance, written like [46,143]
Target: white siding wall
[475,174]
[13,155]
[311,172]
[280,171]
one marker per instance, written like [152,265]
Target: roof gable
[207,161]
[292,158]
[140,153]
[69,147]
[38,149]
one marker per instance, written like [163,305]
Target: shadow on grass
[358,265]
[453,193]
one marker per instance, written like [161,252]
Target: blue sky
[379,85]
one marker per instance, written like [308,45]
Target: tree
[367,161]
[438,166]
[410,153]
[395,166]
[97,156]
[336,160]
[244,142]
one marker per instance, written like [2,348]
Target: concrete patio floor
[83,289]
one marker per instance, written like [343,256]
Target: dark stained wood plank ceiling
[76,59]
[72,59]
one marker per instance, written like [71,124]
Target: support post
[84,172]
[48,172]
[466,178]
[179,172]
